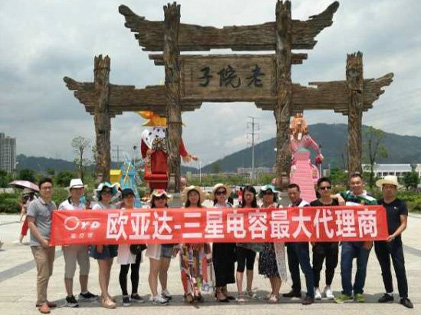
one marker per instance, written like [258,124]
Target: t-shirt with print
[363,199]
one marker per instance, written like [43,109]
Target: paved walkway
[18,276]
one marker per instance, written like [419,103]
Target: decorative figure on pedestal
[154,150]
[303,172]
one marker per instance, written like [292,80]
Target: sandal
[273,299]
[240,298]
[188,298]
[108,303]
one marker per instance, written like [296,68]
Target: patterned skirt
[196,268]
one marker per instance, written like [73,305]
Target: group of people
[206,266]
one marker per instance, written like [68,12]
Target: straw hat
[187,190]
[159,193]
[388,180]
[217,186]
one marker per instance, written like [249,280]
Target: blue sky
[45,40]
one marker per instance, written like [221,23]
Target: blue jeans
[351,250]
[298,254]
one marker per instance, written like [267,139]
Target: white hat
[76,183]
[388,180]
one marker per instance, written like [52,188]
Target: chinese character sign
[171,225]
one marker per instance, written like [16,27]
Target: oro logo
[74,223]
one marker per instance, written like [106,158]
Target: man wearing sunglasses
[324,250]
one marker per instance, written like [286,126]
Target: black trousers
[322,251]
[298,255]
[385,251]
[134,276]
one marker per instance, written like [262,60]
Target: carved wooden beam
[125,98]
[159,61]
[150,34]
[333,95]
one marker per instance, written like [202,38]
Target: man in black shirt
[324,250]
[397,216]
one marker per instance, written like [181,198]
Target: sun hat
[106,185]
[187,190]
[217,186]
[159,193]
[388,180]
[76,183]
[265,188]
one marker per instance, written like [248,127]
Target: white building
[381,170]
[7,153]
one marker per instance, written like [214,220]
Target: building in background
[399,170]
[7,153]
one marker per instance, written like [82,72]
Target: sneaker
[88,296]
[159,300]
[71,301]
[328,293]
[407,303]
[307,300]
[240,298]
[137,298]
[343,298]
[126,300]
[385,298]
[359,297]
[166,294]
[317,294]
[292,294]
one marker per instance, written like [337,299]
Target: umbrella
[24,184]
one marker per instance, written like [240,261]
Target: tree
[216,168]
[80,146]
[5,179]
[410,180]
[63,178]
[373,149]
[27,174]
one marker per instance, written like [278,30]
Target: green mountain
[333,140]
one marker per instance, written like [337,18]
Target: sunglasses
[325,188]
[221,192]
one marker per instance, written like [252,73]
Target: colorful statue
[303,172]
[154,151]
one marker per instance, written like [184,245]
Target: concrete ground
[18,285]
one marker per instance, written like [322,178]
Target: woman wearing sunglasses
[159,255]
[105,253]
[223,254]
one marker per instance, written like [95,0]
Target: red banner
[172,225]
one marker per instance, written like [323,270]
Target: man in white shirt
[76,253]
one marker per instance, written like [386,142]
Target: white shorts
[153,251]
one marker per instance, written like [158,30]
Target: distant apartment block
[7,153]
[399,170]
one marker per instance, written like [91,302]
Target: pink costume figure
[300,144]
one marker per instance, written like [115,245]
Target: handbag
[137,249]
